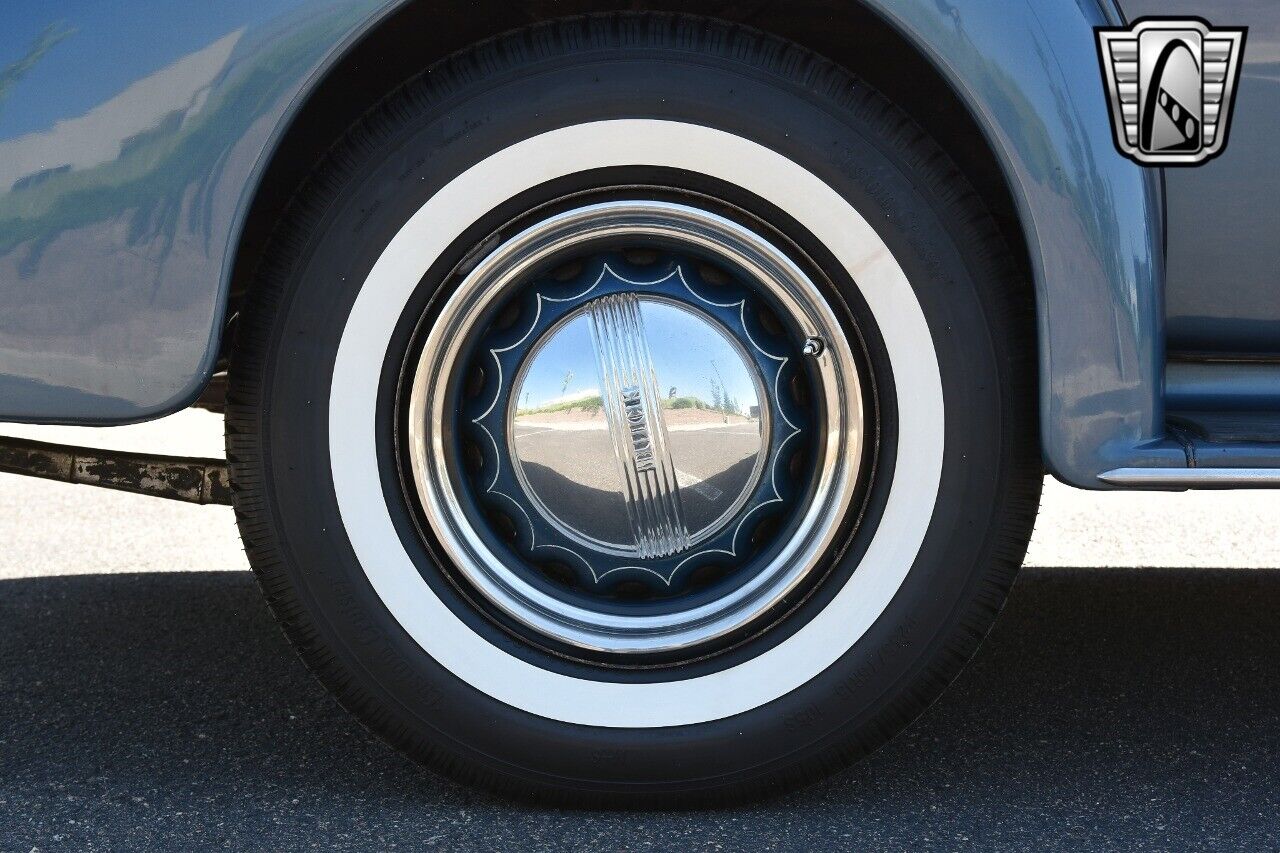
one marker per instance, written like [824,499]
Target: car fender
[143,342]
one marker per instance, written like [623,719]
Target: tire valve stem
[813,347]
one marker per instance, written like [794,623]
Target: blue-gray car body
[135,138]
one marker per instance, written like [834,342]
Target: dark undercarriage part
[214,396]
[198,481]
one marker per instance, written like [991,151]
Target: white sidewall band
[357,474]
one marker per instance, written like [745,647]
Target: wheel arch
[1084,223]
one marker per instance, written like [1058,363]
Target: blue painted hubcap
[637,425]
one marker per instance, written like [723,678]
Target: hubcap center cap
[637,425]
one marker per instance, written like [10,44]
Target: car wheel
[635,409]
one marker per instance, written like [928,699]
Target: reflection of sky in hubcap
[707,404]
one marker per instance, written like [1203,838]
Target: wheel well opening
[422,32]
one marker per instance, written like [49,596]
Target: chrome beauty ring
[635,427]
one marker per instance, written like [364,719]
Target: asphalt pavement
[574,472]
[147,700]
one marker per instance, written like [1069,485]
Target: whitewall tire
[884,464]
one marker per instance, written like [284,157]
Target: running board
[1193,478]
[198,481]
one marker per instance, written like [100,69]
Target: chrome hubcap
[635,427]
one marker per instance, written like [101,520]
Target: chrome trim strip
[639,431]
[1194,478]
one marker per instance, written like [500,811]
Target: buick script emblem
[1171,83]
